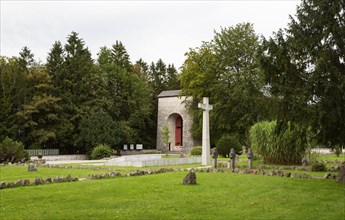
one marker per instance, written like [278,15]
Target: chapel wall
[168,106]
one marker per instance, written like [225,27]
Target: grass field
[162,196]
[15,173]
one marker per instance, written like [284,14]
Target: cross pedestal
[205,160]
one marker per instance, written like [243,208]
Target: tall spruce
[120,57]
[78,85]
[127,98]
[305,68]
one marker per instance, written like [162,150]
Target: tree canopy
[304,67]
[74,103]
[226,70]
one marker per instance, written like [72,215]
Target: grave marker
[232,157]
[250,158]
[214,156]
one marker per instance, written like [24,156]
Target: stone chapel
[172,112]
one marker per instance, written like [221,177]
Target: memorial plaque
[139,147]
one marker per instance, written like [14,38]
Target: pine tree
[120,57]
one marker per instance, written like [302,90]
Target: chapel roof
[169,93]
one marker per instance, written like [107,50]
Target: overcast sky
[148,29]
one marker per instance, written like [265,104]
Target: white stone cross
[205,160]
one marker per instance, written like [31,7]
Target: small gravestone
[20,183]
[190,178]
[68,178]
[232,158]
[38,181]
[280,173]
[340,178]
[214,156]
[250,158]
[10,185]
[26,182]
[2,185]
[32,168]
[48,180]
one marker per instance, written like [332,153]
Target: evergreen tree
[26,58]
[173,82]
[127,96]
[39,116]
[55,62]
[78,85]
[12,85]
[120,57]
[141,69]
[305,68]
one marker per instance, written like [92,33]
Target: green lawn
[130,169]
[15,173]
[162,196]
[332,157]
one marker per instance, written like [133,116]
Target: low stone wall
[161,162]
[136,152]
[112,174]
[142,157]
[62,157]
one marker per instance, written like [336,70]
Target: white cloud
[150,30]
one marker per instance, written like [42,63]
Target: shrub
[97,128]
[285,145]
[226,142]
[196,151]
[312,157]
[12,151]
[337,150]
[318,166]
[101,151]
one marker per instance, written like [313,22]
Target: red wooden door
[178,131]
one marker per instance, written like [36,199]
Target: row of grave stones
[37,181]
[133,147]
[232,158]
[189,179]
[250,155]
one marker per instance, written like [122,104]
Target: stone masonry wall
[168,108]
